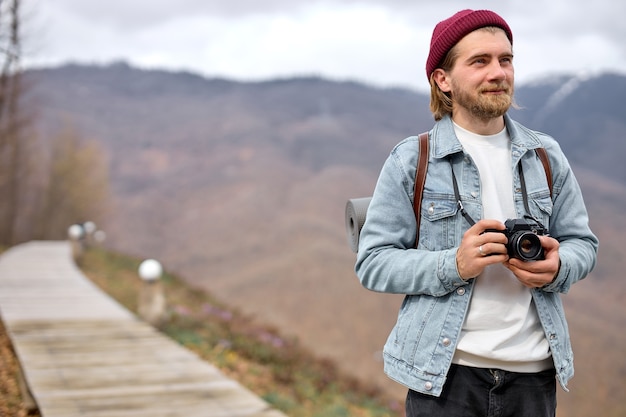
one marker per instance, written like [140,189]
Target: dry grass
[11,403]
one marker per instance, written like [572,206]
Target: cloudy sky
[381,42]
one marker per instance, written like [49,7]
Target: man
[480,332]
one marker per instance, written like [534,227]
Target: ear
[442,80]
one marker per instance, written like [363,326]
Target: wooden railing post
[90,229]
[151,303]
[76,235]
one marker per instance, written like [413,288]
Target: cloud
[382,42]
[318,41]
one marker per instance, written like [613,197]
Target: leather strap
[420,180]
[543,155]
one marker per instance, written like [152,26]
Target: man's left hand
[536,274]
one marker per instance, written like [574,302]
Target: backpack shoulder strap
[543,155]
[420,179]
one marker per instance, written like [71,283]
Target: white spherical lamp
[150,270]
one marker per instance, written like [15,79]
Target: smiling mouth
[496,90]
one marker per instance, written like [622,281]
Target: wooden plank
[83,354]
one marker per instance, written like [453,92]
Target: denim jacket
[419,350]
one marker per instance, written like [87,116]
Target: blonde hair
[441,102]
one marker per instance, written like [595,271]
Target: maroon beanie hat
[448,32]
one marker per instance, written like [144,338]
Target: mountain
[586,116]
[241,188]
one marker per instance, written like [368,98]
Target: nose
[499,71]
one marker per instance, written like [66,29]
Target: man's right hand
[480,248]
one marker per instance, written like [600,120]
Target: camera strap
[466,215]
[523,185]
[457,195]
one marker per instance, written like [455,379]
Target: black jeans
[477,392]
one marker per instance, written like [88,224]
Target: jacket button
[460,291]
[446,341]
[428,386]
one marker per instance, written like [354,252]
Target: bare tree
[40,195]
[77,188]
[10,118]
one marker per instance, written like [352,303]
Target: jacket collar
[445,142]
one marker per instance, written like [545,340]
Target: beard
[481,105]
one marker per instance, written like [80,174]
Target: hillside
[240,188]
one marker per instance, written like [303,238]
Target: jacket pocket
[439,222]
[541,209]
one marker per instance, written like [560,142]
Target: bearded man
[481,331]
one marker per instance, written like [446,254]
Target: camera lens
[525,246]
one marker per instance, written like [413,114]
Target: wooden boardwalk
[83,354]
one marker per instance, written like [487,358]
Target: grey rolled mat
[356,210]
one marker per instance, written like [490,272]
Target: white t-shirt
[502,328]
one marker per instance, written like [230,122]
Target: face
[481,80]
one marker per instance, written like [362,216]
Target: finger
[491,248]
[528,278]
[488,224]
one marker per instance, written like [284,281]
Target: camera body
[523,238]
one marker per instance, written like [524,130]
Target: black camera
[523,238]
